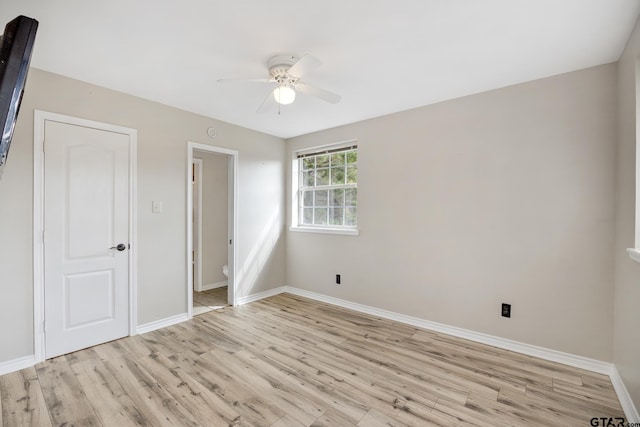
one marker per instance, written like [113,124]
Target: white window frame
[296,192]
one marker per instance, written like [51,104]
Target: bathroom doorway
[211,222]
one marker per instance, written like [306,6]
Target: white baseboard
[586,363]
[215,285]
[162,323]
[630,411]
[17,364]
[261,295]
[531,350]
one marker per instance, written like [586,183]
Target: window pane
[322,197]
[322,161]
[307,199]
[308,163]
[336,197]
[322,177]
[337,216]
[350,216]
[307,216]
[352,157]
[321,216]
[308,178]
[337,176]
[352,174]
[351,197]
[337,159]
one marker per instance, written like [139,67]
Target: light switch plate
[156,207]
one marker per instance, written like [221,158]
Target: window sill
[634,254]
[343,231]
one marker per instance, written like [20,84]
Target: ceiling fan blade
[245,80]
[269,104]
[325,95]
[304,65]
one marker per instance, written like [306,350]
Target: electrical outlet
[337,279]
[506,310]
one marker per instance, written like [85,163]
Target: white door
[86,248]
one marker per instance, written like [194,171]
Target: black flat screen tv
[15,56]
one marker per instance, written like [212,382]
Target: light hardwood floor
[289,361]
[213,299]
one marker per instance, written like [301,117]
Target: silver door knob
[121,247]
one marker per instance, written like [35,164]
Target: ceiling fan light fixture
[284,95]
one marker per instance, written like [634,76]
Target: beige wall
[214,216]
[505,196]
[163,133]
[627,272]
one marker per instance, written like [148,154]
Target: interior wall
[163,133]
[504,196]
[627,272]
[214,216]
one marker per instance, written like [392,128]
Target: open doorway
[211,227]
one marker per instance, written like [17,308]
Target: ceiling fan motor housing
[279,68]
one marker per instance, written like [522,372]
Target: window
[327,193]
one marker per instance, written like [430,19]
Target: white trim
[197,285]
[133,231]
[38,238]
[319,230]
[162,323]
[634,254]
[331,145]
[216,285]
[531,350]
[39,118]
[265,294]
[17,364]
[630,411]
[233,156]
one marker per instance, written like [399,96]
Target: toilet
[225,270]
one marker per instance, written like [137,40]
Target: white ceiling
[382,56]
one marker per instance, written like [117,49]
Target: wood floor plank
[314,389]
[374,418]
[21,400]
[130,347]
[107,397]
[290,361]
[204,406]
[129,373]
[565,402]
[241,397]
[288,421]
[246,367]
[63,395]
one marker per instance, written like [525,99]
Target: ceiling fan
[286,72]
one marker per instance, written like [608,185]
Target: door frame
[232,205]
[197,285]
[39,119]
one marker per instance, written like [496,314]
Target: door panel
[86,205]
